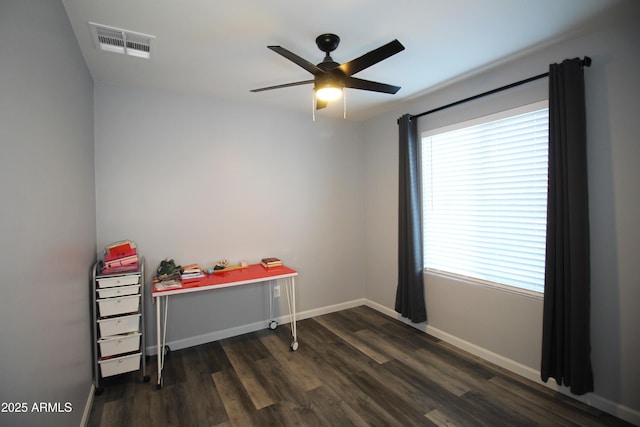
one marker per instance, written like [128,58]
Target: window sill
[477,282]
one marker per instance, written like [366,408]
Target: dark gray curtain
[410,294]
[566,345]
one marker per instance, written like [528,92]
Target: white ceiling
[218,48]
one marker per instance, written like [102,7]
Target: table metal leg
[161,331]
[291,301]
[272,323]
[271,300]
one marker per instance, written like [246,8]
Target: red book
[119,247]
[112,256]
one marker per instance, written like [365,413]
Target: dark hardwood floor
[354,367]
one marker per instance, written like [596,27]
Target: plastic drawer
[118,291]
[119,365]
[108,282]
[119,344]
[119,325]
[119,305]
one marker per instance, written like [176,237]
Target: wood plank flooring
[353,368]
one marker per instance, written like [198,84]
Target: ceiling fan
[330,78]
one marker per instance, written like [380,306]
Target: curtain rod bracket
[586,62]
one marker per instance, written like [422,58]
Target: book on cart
[129,268]
[271,262]
[120,256]
[124,247]
[112,256]
[120,262]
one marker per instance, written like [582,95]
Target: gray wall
[506,327]
[47,213]
[198,180]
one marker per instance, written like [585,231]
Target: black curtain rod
[586,62]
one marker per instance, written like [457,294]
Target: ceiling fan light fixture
[328,93]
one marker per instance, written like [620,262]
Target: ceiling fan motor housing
[327,42]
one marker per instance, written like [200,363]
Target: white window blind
[485,198]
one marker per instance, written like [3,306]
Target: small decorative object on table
[221,265]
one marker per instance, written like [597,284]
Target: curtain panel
[410,302]
[566,348]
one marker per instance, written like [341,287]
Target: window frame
[529,107]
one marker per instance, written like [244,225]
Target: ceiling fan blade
[312,68]
[371,58]
[262,89]
[320,104]
[355,83]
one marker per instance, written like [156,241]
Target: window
[484,186]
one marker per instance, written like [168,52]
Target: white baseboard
[87,407]
[331,308]
[252,327]
[211,336]
[485,354]
[591,399]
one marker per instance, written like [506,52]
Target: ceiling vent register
[121,41]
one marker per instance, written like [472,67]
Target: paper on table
[167,284]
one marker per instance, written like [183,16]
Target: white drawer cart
[118,336]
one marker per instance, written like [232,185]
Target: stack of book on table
[271,262]
[191,272]
[120,257]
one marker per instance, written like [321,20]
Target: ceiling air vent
[117,40]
